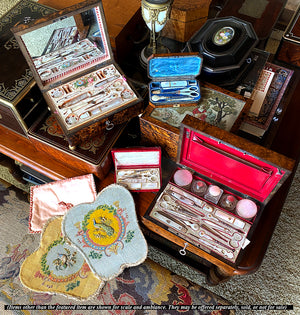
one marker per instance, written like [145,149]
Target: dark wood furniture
[283,137]
[289,49]
[263,15]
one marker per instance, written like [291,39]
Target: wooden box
[267,95]
[92,156]
[21,102]
[138,169]
[82,85]
[160,126]
[174,79]
[289,48]
[186,18]
[216,192]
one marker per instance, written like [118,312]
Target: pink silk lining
[56,198]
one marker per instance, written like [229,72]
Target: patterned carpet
[145,284]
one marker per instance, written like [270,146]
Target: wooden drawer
[20,116]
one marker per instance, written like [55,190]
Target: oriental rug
[145,284]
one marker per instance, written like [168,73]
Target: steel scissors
[189,91]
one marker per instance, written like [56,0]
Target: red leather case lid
[229,165]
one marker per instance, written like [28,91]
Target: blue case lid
[174,65]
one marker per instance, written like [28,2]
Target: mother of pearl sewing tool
[223,229]
[179,213]
[175,84]
[212,244]
[132,173]
[92,106]
[213,218]
[127,94]
[98,108]
[45,73]
[68,97]
[198,202]
[50,63]
[105,81]
[156,98]
[193,226]
[208,229]
[75,100]
[57,92]
[169,221]
[109,71]
[226,253]
[186,201]
[172,84]
[169,200]
[71,119]
[103,95]
[149,177]
[203,234]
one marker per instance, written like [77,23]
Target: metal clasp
[109,125]
[183,250]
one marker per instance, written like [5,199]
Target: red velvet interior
[229,166]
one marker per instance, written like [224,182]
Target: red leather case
[138,169]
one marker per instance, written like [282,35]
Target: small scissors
[190,91]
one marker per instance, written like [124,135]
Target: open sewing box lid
[138,158]
[36,40]
[79,79]
[179,66]
[232,161]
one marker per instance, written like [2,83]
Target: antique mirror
[65,44]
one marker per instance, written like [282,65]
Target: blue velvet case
[174,79]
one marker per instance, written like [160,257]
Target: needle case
[174,79]
[217,191]
[83,86]
[138,169]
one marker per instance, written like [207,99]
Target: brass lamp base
[148,51]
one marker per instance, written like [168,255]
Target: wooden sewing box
[160,125]
[82,84]
[197,225]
